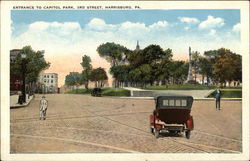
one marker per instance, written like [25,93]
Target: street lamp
[23,56]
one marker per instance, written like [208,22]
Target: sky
[67,35]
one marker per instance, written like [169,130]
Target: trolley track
[187,143]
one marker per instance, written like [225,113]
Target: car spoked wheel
[188,133]
[151,130]
[156,133]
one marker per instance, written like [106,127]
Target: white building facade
[49,82]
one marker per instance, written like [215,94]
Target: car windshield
[174,102]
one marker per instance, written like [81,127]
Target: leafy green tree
[178,71]
[195,63]
[205,68]
[87,67]
[99,76]
[71,79]
[121,74]
[152,54]
[161,70]
[113,53]
[34,63]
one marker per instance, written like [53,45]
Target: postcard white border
[6,6]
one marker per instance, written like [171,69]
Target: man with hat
[43,108]
[217,98]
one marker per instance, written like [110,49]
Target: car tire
[188,133]
[151,130]
[156,133]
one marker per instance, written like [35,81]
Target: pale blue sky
[25,17]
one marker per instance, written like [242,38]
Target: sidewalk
[196,94]
[137,93]
[14,100]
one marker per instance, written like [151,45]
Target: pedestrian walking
[20,99]
[43,108]
[217,98]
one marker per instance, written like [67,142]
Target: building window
[44,76]
[47,76]
[51,81]
[44,81]
[51,76]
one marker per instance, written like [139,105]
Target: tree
[205,68]
[161,69]
[73,79]
[98,76]
[152,54]
[195,63]
[34,62]
[228,66]
[113,53]
[87,67]
[178,71]
[121,74]
[34,65]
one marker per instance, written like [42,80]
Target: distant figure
[217,98]
[43,108]
[20,99]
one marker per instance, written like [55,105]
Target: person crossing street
[43,108]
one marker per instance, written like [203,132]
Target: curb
[24,105]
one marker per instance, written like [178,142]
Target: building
[49,82]
[15,80]
[13,54]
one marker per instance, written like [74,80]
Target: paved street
[81,123]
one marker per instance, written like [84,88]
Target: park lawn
[179,87]
[228,93]
[115,92]
[79,91]
[105,91]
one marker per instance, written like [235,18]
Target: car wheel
[188,133]
[151,129]
[157,133]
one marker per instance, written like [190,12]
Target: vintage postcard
[125,80]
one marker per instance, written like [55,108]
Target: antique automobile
[172,115]
[96,92]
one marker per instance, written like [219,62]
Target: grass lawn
[228,93]
[105,91]
[79,91]
[115,92]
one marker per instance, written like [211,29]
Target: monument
[190,74]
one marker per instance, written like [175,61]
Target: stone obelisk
[190,75]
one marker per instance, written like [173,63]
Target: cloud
[55,28]
[100,25]
[211,22]
[189,20]
[236,28]
[159,24]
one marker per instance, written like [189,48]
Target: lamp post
[23,56]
